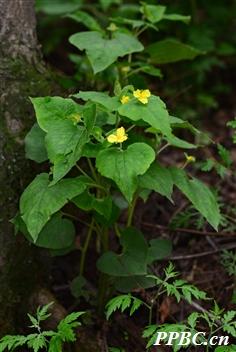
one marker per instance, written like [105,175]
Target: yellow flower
[142,95]
[118,137]
[124,99]
[190,158]
[125,69]
[75,118]
[112,27]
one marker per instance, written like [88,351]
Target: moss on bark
[20,265]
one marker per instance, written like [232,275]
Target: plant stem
[82,171]
[70,216]
[163,148]
[129,58]
[85,247]
[103,279]
[131,212]
[102,292]
[117,231]
[117,119]
[92,170]
[130,128]
[97,186]
[141,30]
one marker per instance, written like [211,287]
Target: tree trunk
[22,74]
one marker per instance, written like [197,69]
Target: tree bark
[22,74]
[18,30]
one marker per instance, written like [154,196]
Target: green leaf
[151,70]
[123,302]
[88,202]
[180,143]
[91,150]
[103,52]
[43,311]
[123,166]
[108,222]
[39,200]
[225,155]
[116,303]
[58,233]
[154,13]
[9,342]
[55,344]
[171,50]
[110,103]
[154,113]
[231,348]
[132,261]
[64,145]
[151,332]
[57,7]
[87,20]
[66,327]
[66,140]
[159,249]
[128,284]
[51,109]
[177,17]
[37,342]
[192,319]
[229,316]
[230,329]
[107,3]
[35,144]
[158,179]
[176,122]
[233,125]
[200,196]
[129,21]
[70,318]
[78,286]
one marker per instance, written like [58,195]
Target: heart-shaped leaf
[102,52]
[57,234]
[132,261]
[123,166]
[39,200]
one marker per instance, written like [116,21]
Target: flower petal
[112,138]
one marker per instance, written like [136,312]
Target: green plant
[51,341]
[228,259]
[216,319]
[113,30]
[102,147]
[112,148]
[103,153]
[233,125]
